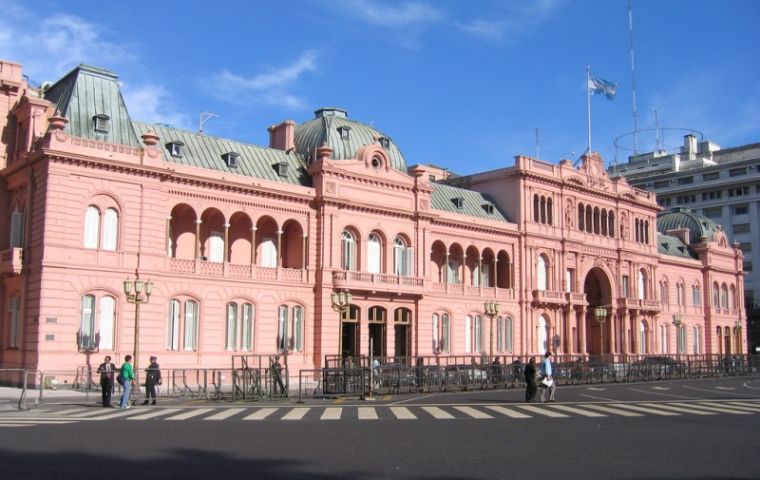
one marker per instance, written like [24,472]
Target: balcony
[471,291]
[232,270]
[378,282]
[651,306]
[549,297]
[10,262]
[576,298]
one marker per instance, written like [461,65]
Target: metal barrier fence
[363,376]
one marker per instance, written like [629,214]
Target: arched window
[402,257]
[348,250]
[732,298]
[581,217]
[697,339]
[97,319]
[110,231]
[541,273]
[536,209]
[641,280]
[696,296]
[268,252]
[183,317]
[716,295]
[664,339]
[646,232]
[499,334]
[290,328]
[636,230]
[604,222]
[478,334]
[611,228]
[643,338]
[436,327]
[549,211]
[664,293]
[91,227]
[239,326]
[596,220]
[724,296]
[445,345]
[541,345]
[589,219]
[373,253]
[543,209]
[468,334]
[232,326]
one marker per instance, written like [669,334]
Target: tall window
[348,250]
[216,247]
[436,326]
[268,253]
[246,339]
[232,326]
[681,332]
[679,293]
[716,295]
[239,326]
[664,293]
[17,229]
[697,339]
[624,287]
[182,325]
[642,285]
[454,268]
[732,298]
[478,334]
[14,318]
[468,334]
[541,273]
[508,335]
[373,253]
[500,334]
[97,234]
[664,338]
[724,296]
[90,337]
[696,296]
[402,255]
[290,328]
[445,333]
[642,338]
[541,345]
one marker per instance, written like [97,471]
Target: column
[198,239]
[624,332]
[581,319]
[279,248]
[611,333]
[635,331]
[226,243]
[169,236]
[253,245]
[496,273]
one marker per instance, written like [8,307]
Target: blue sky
[461,84]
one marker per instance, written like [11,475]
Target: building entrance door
[402,320]
[598,294]
[377,339]
[349,337]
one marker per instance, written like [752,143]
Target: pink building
[247,246]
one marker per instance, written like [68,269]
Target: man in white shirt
[547,380]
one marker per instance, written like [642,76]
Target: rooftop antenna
[633,82]
[658,140]
[205,116]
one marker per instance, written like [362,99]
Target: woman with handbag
[547,381]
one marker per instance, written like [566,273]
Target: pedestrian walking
[152,378]
[530,380]
[547,379]
[127,377]
[107,371]
[277,376]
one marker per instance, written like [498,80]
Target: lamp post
[677,320]
[600,314]
[141,294]
[738,324]
[492,309]
[340,303]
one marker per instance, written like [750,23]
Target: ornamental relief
[330,187]
[424,204]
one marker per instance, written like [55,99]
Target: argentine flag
[605,87]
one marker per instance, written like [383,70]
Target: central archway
[598,292]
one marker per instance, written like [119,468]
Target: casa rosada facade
[252,250]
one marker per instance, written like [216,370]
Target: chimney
[689,146]
[282,136]
[682,233]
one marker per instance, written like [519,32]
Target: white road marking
[614,411]
[403,413]
[732,407]
[542,411]
[331,413]
[296,414]
[261,414]
[192,413]
[577,411]
[367,413]
[474,413]
[438,413]
[648,410]
[712,409]
[508,412]
[674,408]
[225,414]
[753,406]
[155,413]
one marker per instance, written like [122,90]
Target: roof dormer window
[175,148]
[385,142]
[101,123]
[488,207]
[231,159]
[458,202]
[282,169]
[345,132]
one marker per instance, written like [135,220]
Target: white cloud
[271,87]
[151,104]
[403,15]
[487,30]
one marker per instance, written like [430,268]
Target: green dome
[680,217]
[332,127]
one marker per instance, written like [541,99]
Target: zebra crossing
[383,412]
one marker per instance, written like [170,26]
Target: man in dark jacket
[107,370]
[152,378]
[530,381]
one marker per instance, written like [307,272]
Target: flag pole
[588,105]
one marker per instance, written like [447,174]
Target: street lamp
[492,309]
[141,295]
[340,303]
[677,321]
[600,314]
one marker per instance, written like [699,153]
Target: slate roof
[88,91]
[673,246]
[681,217]
[206,152]
[325,129]
[444,197]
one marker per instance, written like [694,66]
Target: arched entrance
[598,294]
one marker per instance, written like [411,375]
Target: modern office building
[721,184]
[326,243]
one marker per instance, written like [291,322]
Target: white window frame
[91,227]
[232,326]
[541,334]
[248,316]
[374,253]
[14,318]
[268,252]
[191,325]
[106,319]
[541,273]
[348,250]
[110,229]
[468,334]
[17,229]
[445,333]
[435,333]
[87,322]
[282,328]
[173,325]
[215,246]
[478,334]
[509,335]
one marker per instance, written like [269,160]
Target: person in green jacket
[127,379]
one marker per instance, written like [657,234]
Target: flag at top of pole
[598,85]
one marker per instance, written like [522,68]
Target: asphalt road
[719,441]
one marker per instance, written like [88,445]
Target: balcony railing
[549,297]
[471,291]
[378,282]
[233,270]
[10,262]
[639,304]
